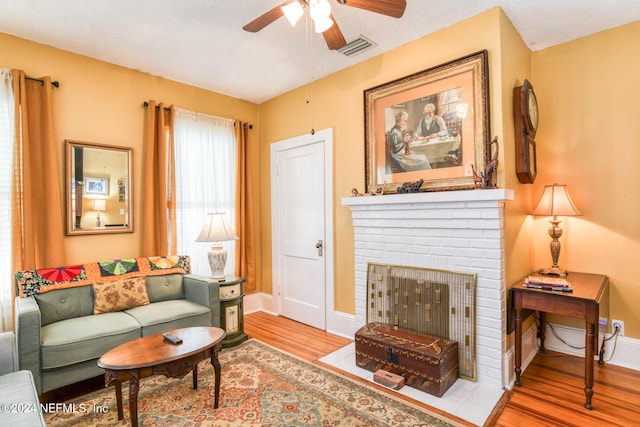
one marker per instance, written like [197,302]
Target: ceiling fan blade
[265,19]
[393,8]
[333,36]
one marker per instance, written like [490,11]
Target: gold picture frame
[445,159]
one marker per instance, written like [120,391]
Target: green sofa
[60,339]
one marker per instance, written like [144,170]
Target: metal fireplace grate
[431,302]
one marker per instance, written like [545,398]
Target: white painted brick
[486,263]
[483,243]
[492,234]
[468,234]
[460,235]
[454,243]
[469,253]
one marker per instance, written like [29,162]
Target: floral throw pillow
[120,295]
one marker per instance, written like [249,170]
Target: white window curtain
[6,146]
[205,157]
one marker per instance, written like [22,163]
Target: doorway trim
[326,136]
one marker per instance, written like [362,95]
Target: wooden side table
[589,301]
[232,311]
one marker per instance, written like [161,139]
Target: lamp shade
[555,201]
[99,205]
[216,229]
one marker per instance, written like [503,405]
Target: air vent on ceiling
[357,46]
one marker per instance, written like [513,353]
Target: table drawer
[230,292]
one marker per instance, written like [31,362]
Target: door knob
[319,247]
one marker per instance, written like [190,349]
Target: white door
[299,218]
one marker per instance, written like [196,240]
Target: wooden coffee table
[153,355]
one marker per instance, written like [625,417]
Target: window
[205,155]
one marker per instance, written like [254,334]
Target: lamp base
[217,260]
[553,271]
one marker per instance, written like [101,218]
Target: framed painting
[98,186]
[432,126]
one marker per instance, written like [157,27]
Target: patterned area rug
[261,386]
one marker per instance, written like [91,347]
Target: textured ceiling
[201,42]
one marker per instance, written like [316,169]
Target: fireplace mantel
[432,197]
[459,231]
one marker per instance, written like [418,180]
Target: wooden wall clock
[525,111]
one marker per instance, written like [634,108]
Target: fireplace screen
[431,302]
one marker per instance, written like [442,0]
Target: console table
[589,301]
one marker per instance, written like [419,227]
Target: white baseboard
[338,323]
[259,302]
[529,350]
[342,324]
[625,353]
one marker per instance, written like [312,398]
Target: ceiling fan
[320,12]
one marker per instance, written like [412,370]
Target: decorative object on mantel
[377,190]
[477,179]
[410,187]
[416,125]
[216,229]
[491,168]
[486,179]
[555,200]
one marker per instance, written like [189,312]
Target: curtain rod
[146,104]
[246,125]
[53,83]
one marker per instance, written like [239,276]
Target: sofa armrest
[204,291]
[28,337]
[8,354]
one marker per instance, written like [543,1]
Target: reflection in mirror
[99,198]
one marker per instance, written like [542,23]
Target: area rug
[260,386]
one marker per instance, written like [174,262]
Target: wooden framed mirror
[99,194]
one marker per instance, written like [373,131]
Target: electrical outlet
[619,323]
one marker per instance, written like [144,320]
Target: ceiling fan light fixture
[319,9]
[322,24]
[293,11]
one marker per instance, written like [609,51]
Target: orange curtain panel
[245,225]
[159,189]
[37,224]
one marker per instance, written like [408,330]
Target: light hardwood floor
[552,386]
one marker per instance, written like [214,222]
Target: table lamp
[216,229]
[555,201]
[99,205]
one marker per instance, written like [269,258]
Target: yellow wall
[515,66]
[588,139]
[336,102]
[102,103]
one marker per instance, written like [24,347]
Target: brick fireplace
[454,230]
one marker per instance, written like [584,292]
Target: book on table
[545,281]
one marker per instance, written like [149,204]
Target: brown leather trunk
[427,363]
